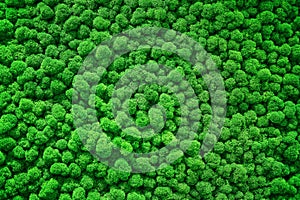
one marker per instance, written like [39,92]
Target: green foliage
[85,48]
[59,169]
[7,29]
[46,12]
[79,193]
[255,46]
[52,66]
[58,112]
[264,74]
[117,194]
[49,189]
[101,24]
[72,23]
[2,158]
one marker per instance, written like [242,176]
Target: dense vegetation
[255,45]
